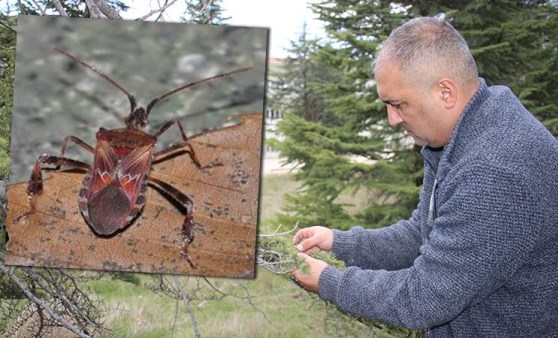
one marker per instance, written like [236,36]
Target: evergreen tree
[292,86]
[349,151]
[7,63]
[539,89]
[514,43]
[204,12]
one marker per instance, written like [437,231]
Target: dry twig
[159,10]
[59,7]
[42,304]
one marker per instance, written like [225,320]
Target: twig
[175,316]
[10,28]
[187,305]
[61,295]
[41,303]
[194,14]
[43,12]
[249,298]
[155,11]
[275,233]
[93,9]
[160,16]
[59,8]
[208,12]
[107,9]
[272,266]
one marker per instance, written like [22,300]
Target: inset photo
[136,146]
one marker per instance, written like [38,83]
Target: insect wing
[133,171]
[103,169]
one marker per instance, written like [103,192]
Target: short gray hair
[427,49]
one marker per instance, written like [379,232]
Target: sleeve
[482,234]
[391,248]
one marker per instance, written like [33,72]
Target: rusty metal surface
[226,205]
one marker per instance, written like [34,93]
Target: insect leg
[179,145]
[77,141]
[189,225]
[35,183]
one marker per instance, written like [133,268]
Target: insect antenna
[132,99]
[189,85]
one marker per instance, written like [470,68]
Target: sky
[285,18]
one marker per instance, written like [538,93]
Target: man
[479,255]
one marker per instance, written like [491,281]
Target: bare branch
[42,10]
[186,301]
[61,294]
[59,7]
[159,10]
[107,9]
[24,288]
[249,298]
[275,233]
[93,9]
[10,28]
[207,12]
[197,15]
[20,7]
[276,253]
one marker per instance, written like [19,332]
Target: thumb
[306,245]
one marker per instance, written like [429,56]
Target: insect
[112,193]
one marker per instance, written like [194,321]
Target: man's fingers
[309,279]
[308,244]
[297,275]
[301,235]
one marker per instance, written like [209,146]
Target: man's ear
[445,91]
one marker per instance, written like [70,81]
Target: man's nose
[394,118]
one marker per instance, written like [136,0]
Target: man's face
[413,108]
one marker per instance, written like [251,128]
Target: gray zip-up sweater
[482,259]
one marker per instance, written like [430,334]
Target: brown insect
[113,190]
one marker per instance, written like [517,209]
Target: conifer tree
[348,151]
[292,86]
[514,44]
[204,12]
[7,69]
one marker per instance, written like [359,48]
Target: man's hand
[309,280]
[308,240]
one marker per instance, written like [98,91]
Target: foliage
[204,12]
[277,254]
[514,43]
[348,149]
[73,8]
[7,68]
[37,302]
[293,86]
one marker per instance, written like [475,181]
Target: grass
[271,196]
[276,306]
[268,306]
